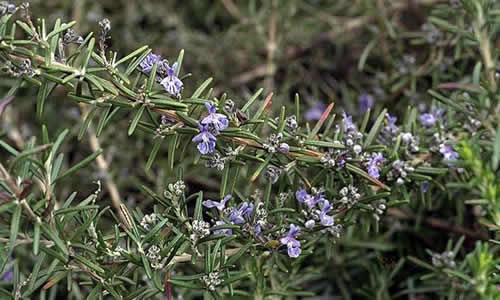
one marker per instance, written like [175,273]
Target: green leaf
[14,226]
[151,234]
[80,165]
[55,238]
[57,144]
[495,158]
[239,254]
[154,151]
[201,88]
[136,119]
[132,55]
[364,55]
[171,150]
[42,96]
[88,263]
[68,210]
[61,28]
[185,284]
[86,122]
[252,100]
[235,277]
[36,238]
[147,266]
[180,58]
[89,51]
[198,208]
[152,78]
[375,129]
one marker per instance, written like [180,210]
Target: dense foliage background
[437,240]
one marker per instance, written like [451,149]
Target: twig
[439,224]
[233,10]
[103,166]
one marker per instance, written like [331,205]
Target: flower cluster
[234,215]
[154,257]
[201,229]
[313,213]
[211,280]
[166,75]
[399,172]
[373,162]
[290,241]
[444,260]
[210,127]
[349,195]
[148,221]
[274,144]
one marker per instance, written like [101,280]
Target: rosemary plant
[291,203]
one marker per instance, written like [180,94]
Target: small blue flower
[365,102]
[227,232]
[218,121]
[326,220]
[430,119]
[238,215]
[449,154]
[391,121]
[205,139]
[373,164]
[425,186]
[148,62]
[291,243]
[8,276]
[314,113]
[303,197]
[219,205]
[171,82]
[348,124]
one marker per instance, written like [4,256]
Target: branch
[439,224]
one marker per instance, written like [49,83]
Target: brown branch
[438,224]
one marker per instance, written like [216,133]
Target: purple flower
[373,164]
[219,205]
[171,82]
[8,276]
[365,102]
[218,121]
[238,215]
[227,232]
[326,220]
[205,139]
[303,197]
[291,243]
[348,124]
[314,113]
[430,119]
[148,62]
[391,121]
[448,153]
[425,186]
